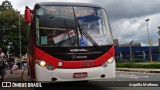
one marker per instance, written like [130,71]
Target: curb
[139,70]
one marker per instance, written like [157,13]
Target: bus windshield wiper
[82,31]
[64,36]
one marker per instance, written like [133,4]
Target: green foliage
[138,65]
[9,32]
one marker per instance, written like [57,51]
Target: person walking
[11,62]
[2,64]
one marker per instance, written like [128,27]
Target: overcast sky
[127,17]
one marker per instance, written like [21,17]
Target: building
[6,5]
[139,53]
[135,52]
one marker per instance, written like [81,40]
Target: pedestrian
[2,64]
[11,62]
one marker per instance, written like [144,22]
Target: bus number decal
[88,64]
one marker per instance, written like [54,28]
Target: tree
[9,32]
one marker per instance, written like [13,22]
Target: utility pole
[20,53]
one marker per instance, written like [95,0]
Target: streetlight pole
[131,60]
[20,53]
[159,38]
[149,41]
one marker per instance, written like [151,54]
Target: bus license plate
[80,75]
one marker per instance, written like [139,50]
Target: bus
[69,42]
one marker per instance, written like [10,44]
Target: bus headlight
[42,63]
[45,65]
[109,62]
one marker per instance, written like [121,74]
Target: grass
[138,65]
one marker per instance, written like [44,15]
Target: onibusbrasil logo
[19,84]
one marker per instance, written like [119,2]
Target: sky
[127,17]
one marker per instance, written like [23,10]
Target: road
[123,81]
[136,76]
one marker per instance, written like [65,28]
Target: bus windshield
[60,26]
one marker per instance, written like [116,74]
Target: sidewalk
[18,75]
[139,70]
[15,76]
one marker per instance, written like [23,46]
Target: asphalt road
[136,76]
[123,81]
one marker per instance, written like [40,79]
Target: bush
[138,65]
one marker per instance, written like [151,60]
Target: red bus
[69,42]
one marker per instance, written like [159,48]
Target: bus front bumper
[59,75]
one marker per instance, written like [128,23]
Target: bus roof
[67,4]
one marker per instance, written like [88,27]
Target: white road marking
[140,72]
[131,76]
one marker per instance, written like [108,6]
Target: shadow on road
[81,85]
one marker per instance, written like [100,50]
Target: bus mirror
[27,15]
